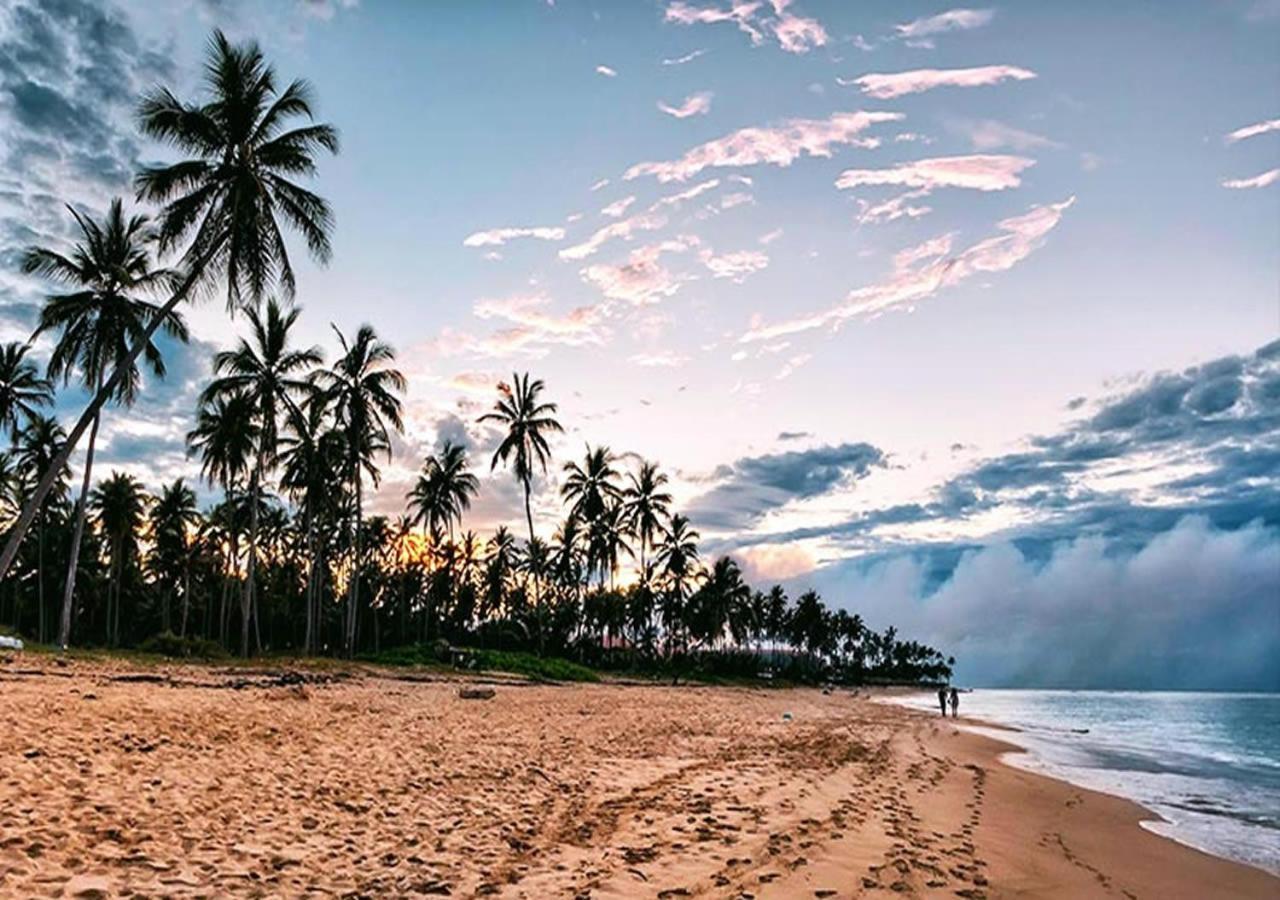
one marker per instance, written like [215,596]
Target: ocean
[1208,764]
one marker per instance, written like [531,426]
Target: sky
[966,316]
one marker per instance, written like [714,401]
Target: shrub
[169,644]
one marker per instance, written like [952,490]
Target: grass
[526,664]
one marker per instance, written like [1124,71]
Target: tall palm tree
[22,390]
[39,444]
[174,519]
[228,200]
[97,322]
[724,594]
[119,505]
[443,490]
[528,421]
[271,374]
[591,487]
[677,558]
[648,507]
[362,389]
[225,437]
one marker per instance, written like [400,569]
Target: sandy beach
[200,782]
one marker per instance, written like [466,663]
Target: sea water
[1207,764]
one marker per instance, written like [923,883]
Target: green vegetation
[287,561]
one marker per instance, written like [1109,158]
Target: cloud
[794,34]
[744,491]
[618,207]
[892,209]
[887,86]
[1249,131]
[988,134]
[532,328]
[951,20]
[779,146]
[905,286]
[680,197]
[498,236]
[681,60]
[736,266]
[606,72]
[1266,179]
[698,104]
[624,229]
[664,360]
[975,173]
[642,279]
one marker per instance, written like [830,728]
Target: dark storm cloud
[752,486]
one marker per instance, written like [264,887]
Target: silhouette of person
[942,700]
[955,703]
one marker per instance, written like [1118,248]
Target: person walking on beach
[942,700]
[955,703]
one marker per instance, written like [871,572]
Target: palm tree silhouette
[648,507]
[443,490]
[269,373]
[528,421]
[22,390]
[38,446]
[173,517]
[677,559]
[362,390]
[97,322]
[228,200]
[119,505]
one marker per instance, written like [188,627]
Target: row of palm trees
[292,444]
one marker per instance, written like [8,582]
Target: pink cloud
[951,20]
[886,86]
[1249,131]
[780,146]
[736,265]
[1266,179]
[892,209]
[794,34]
[498,236]
[663,359]
[533,328]
[698,104]
[623,229]
[921,272]
[618,207]
[977,173]
[642,279]
[679,198]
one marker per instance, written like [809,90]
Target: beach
[188,781]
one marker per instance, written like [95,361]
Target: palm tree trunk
[353,594]
[309,635]
[247,598]
[186,592]
[36,501]
[40,578]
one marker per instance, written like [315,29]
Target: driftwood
[476,693]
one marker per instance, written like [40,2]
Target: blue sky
[896,291]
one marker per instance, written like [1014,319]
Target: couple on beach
[953,695]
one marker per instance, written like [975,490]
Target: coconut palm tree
[648,506]
[443,490]
[591,487]
[97,322]
[39,444]
[677,559]
[271,374]
[528,421]
[22,390]
[226,437]
[230,200]
[362,390]
[174,519]
[119,506]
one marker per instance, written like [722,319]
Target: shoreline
[190,781]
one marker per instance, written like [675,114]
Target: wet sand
[200,782]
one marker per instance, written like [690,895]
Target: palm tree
[119,505]
[677,557]
[226,437]
[38,446]
[607,541]
[528,422]
[97,323]
[648,507]
[22,390]
[591,487]
[723,594]
[362,389]
[230,197]
[173,519]
[269,373]
[443,490]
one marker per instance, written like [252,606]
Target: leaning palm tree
[22,390]
[362,390]
[225,437]
[271,375]
[98,321]
[229,201]
[648,507]
[119,505]
[528,422]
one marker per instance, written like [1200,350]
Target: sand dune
[194,782]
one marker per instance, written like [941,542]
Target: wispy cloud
[981,172]
[910,283]
[736,265]
[623,229]
[988,134]
[1266,179]
[606,72]
[951,20]
[758,20]
[662,360]
[885,86]
[642,279]
[698,104]
[496,237]
[892,209]
[533,328]
[1249,131]
[779,146]
[618,207]
[681,60]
